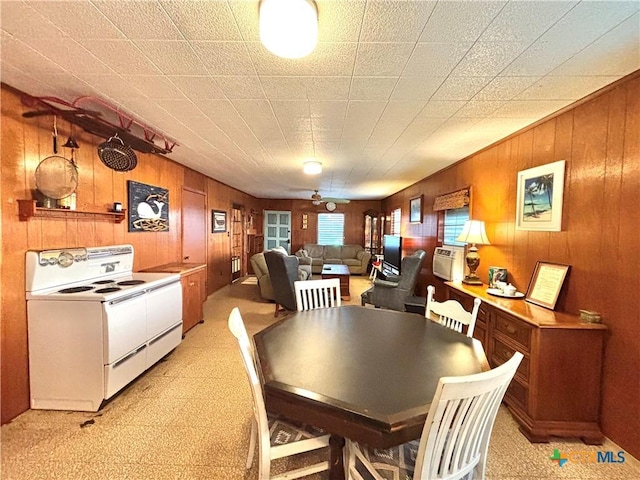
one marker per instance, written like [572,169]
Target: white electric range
[94,325]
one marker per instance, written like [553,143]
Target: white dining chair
[455,438]
[312,294]
[276,437]
[451,313]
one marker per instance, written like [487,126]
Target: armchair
[392,292]
[283,270]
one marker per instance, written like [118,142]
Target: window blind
[331,228]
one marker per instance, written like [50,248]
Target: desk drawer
[514,329]
[500,353]
[517,393]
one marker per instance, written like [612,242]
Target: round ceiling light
[312,167]
[289,28]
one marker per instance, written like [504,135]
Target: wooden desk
[360,373]
[556,391]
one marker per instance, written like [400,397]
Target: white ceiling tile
[113,86]
[224,58]
[488,58]
[372,88]
[79,19]
[529,108]
[70,55]
[382,59]
[138,20]
[416,88]
[564,88]
[525,21]
[392,21]
[198,20]
[16,52]
[478,108]
[241,86]
[172,57]
[429,59]
[157,86]
[460,21]
[460,88]
[328,59]
[22,21]
[197,87]
[122,56]
[339,20]
[505,88]
[441,108]
[303,88]
[615,53]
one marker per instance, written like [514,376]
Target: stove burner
[75,289]
[102,282]
[108,290]
[130,282]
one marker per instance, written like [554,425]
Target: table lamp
[473,232]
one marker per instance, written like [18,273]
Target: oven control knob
[53,261]
[65,259]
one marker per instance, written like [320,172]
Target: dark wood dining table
[360,373]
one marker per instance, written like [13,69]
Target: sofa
[353,256]
[259,265]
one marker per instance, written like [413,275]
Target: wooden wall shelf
[28,209]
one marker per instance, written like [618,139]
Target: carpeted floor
[189,417]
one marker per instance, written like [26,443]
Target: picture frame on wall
[545,284]
[539,198]
[415,210]
[218,221]
[148,207]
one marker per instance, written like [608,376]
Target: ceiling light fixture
[312,167]
[289,28]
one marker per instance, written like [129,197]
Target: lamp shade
[289,28]
[312,167]
[473,232]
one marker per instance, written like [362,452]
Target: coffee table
[341,272]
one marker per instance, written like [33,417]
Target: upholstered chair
[283,270]
[392,292]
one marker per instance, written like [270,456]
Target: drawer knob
[191,284]
[510,329]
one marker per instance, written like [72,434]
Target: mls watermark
[586,456]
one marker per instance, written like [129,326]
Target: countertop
[177,267]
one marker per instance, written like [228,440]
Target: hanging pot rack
[92,120]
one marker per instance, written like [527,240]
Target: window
[331,228]
[454,219]
[396,221]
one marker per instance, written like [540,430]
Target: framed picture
[218,221]
[148,208]
[415,210]
[546,283]
[539,202]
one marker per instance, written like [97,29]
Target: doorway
[194,225]
[277,230]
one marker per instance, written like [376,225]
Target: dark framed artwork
[545,284]
[218,221]
[148,208]
[415,210]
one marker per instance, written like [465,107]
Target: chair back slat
[456,434]
[451,314]
[311,294]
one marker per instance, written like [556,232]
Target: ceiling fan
[317,199]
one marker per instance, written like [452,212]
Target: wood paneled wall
[600,140]
[25,142]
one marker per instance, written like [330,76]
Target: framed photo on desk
[546,283]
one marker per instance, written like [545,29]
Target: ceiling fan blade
[336,200]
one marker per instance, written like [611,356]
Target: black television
[392,251]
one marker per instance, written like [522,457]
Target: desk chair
[450,313]
[276,437]
[456,435]
[312,294]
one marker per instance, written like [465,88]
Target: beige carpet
[189,416]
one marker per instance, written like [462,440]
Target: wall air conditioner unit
[448,263]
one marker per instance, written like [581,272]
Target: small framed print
[415,210]
[218,221]
[539,198]
[546,283]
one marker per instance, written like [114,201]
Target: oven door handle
[132,354]
[128,297]
[157,287]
